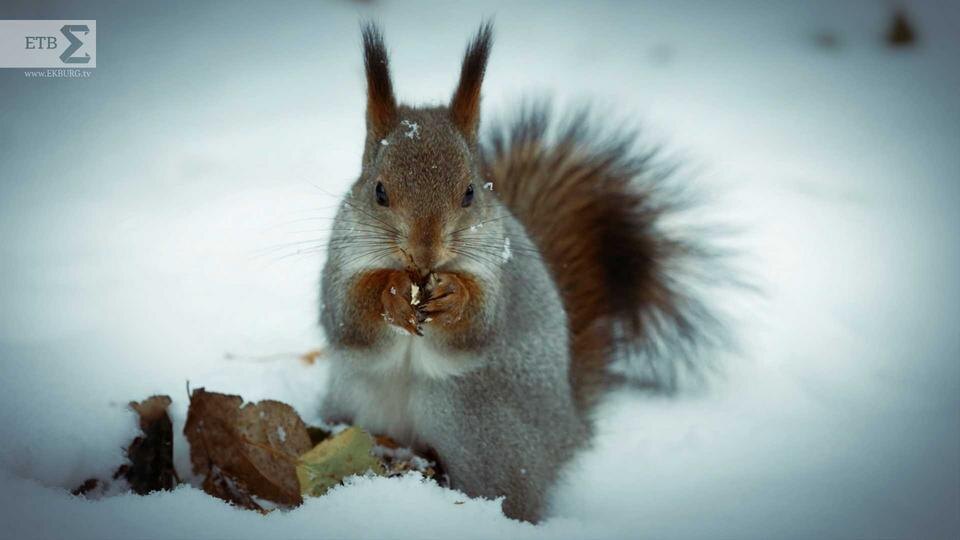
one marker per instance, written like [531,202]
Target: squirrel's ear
[465,105]
[381,105]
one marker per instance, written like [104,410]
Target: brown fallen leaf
[246,451]
[318,434]
[901,32]
[398,460]
[307,358]
[254,455]
[310,357]
[88,486]
[150,454]
[386,442]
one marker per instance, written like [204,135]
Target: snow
[171,228]
[412,129]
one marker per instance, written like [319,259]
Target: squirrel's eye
[467,197]
[382,195]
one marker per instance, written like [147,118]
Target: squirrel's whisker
[479,224]
[371,216]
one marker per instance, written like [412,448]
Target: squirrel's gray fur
[500,416]
[502,392]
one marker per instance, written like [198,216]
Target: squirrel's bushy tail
[595,208]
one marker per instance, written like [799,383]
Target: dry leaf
[900,33]
[398,460]
[255,453]
[151,455]
[246,451]
[318,434]
[346,453]
[310,357]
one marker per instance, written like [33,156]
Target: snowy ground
[146,216]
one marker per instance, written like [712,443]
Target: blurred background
[163,221]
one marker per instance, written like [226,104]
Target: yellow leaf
[343,455]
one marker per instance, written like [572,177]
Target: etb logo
[51,42]
[48,44]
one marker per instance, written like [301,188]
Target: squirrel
[476,291]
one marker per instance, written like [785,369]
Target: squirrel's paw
[395,298]
[449,295]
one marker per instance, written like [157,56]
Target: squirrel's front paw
[449,296]
[396,299]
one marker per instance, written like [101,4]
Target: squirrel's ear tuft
[465,105]
[381,105]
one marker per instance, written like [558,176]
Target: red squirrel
[476,290]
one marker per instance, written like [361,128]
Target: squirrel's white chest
[418,356]
[382,405]
[385,398]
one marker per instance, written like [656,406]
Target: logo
[48,44]
[75,43]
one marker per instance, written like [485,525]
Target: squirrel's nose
[422,261]
[423,245]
